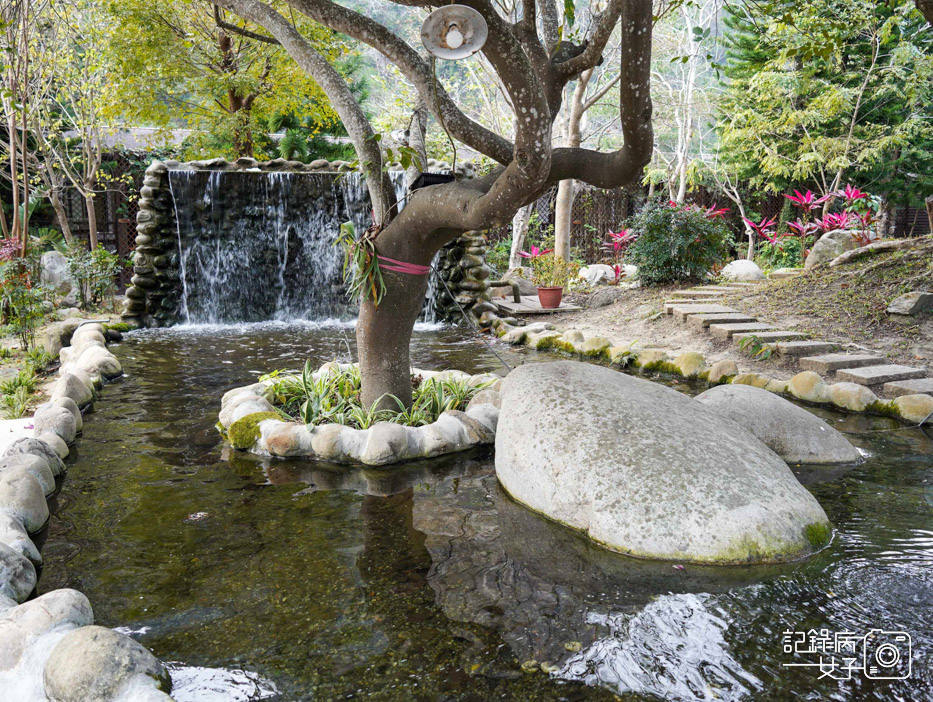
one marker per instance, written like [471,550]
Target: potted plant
[551,274]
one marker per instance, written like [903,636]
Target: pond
[285,580]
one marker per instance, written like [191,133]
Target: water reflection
[425,581]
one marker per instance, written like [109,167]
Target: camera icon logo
[886,655]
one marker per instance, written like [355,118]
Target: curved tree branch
[341,97]
[413,67]
[240,30]
[603,24]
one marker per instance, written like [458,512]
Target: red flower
[851,193]
[713,213]
[535,252]
[807,201]
[764,228]
[834,221]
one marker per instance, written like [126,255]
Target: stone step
[834,361]
[919,386]
[875,375]
[678,301]
[725,331]
[699,293]
[681,312]
[802,348]
[704,320]
[743,284]
[771,337]
[710,288]
[782,273]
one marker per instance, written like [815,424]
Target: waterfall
[256,246]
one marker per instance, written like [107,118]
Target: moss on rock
[818,534]
[243,433]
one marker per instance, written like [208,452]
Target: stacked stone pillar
[152,299]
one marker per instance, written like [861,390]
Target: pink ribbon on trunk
[390,264]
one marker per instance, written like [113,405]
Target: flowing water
[287,580]
[256,246]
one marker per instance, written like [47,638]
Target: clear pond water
[284,580]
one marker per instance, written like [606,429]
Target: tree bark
[383,333]
[62,217]
[929,205]
[563,217]
[520,222]
[91,220]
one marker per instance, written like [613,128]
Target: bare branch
[240,30]
[341,97]
[414,68]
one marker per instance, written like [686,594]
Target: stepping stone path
[802,348]
[919,386]
[773,336]
[697,307]
[681,312]
[876,375]
[705,320]
[725,331]
[834,361]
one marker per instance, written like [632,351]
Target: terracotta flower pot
[550,297]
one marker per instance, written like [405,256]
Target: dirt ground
[844,305]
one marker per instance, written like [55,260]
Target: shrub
[20,301]
[676,242]
[783,253]
[95,273]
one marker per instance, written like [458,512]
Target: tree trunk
[563,217]
[383,337]
[62,218]
[929,204]
[519,232]
[91,220]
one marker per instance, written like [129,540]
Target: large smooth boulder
[742,270]
[790,431]
[829,246]
[94,663]
[647,471]
[55,272]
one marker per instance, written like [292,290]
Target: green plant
[361,272]
[5,352]
[21,302]
[551,271]
[95,274]
[24,379]
[498,254]
[333,397]
[676,242]
[783,253]
[15,404]
[38,359]
[756,347]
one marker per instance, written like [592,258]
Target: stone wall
[154,296]
[462,266]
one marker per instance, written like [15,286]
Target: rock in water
[790,431]
[647,471]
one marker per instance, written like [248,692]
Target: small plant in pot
[551,275]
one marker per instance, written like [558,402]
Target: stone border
[250,423]
[51,650]
[691,365]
